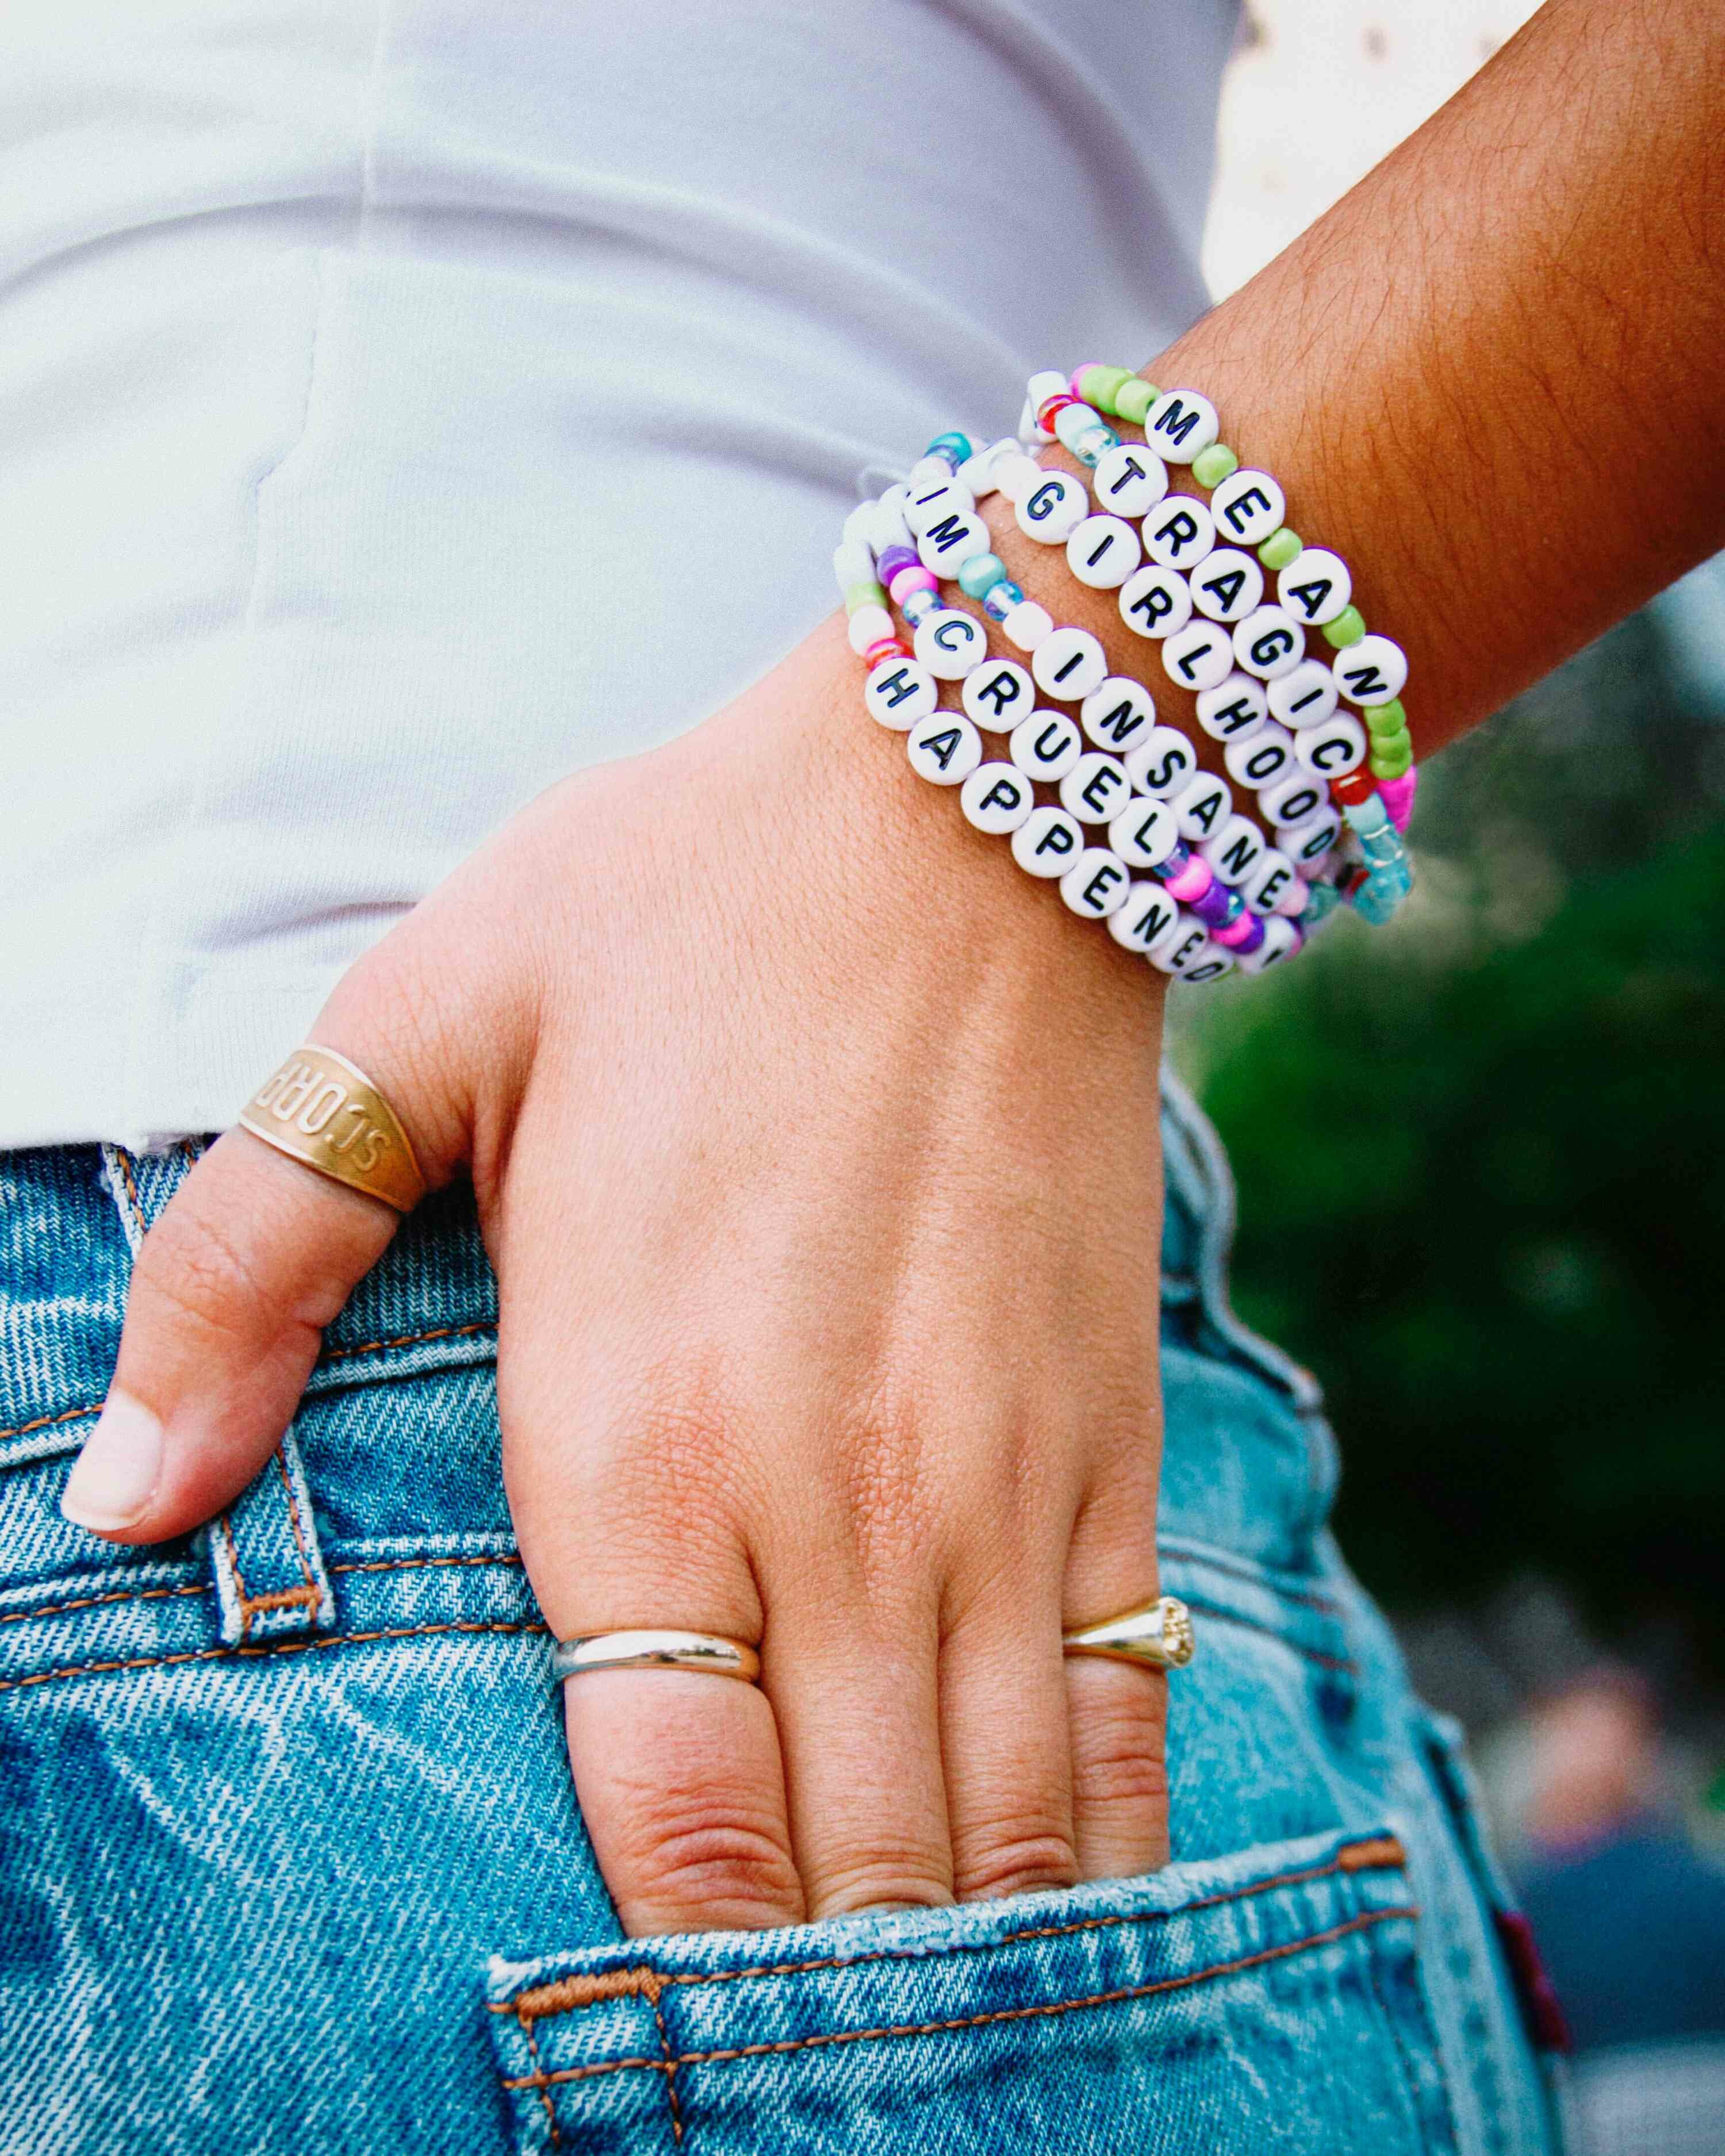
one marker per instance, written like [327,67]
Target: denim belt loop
[268,1570]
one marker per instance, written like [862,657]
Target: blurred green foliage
[1482,1182]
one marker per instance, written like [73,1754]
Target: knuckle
[1017,1858]
[907,1879]
[718,1858]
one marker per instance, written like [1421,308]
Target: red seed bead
[1045,412]
[889,647]
[1353,787]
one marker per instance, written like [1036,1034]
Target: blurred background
[1482,1195]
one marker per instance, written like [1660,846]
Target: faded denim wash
[292,1862]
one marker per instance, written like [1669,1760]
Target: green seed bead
[1133,398]
[1348,627]
[1391,758]
[1098,385]
[1280,548]
[1385,719]
[1211,466]
[858,596]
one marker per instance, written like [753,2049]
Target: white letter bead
[1270,642]
[1338,746]
[1096,789]
[1129,480]
[1373,671]
[1161,765]
[1046,745]
[1179,533]
[950,643]
[886,525]
[900,694]
[1279,938]
[1103,553]
[1226,584]
[1145,833]
[1234,709]
[1118,712]
[1208,964]
[1199,657]
[1248,505]
[1294,800]
[867,626]
[1202,807]
[944,748]
[1262,759]
[947,546]
[1314,586]
[981,473]
[1048,842]
[1097,885]
[1176,948]
[1180,424]
[857,524]
[1029,429]
[1069,664]
[996,798]
[1052,510]
[997,695]
[1234,851]
[1155,601]
[1049,383]
[1310,844]
[1304,697]
[933,498]
[1015,472]
[1148,913]
[1027,624]
[1269,881]
[852,564]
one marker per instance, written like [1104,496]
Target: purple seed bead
[1218,906]
[1245,934]
[894,559]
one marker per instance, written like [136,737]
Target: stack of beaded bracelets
[1188,571]
[1219,885]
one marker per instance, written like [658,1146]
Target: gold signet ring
[1157,1633]
[708,1652]
[322,1111]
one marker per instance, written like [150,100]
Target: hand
[817,1153]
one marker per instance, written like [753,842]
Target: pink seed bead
[1245,934]
[1397,795]
[889,647]
[1294,899]
[1193,881]
[912,580]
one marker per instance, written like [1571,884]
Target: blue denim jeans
[292,1861]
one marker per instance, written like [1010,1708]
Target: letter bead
[1199,657]
[1234,709]
[944,748]
[1052,510]
[950,643]
[1310,844]
[1118,712]
[1027,623]
[1069,664]
[1227,585]
[1202,807]
[1130,480]
[898,695]
[868,625]
[1161,765]
[1333,749]
[1269,643]
[1179,532]
[1372,671]
[1282,939]
[1015,472]
[1261,758]
[1144,833]
[1248,506]
[1046,745]
[1180,424]
[1293,801]
[1269,881]
[1305,697]
[1314,586]
[1234,851]
[1096,789]
[947,546]
[927,504]
[1183,944]
[1103,553]
[1155,601]
[1148,913]
[997,695]
[1097,885]
[1048,842]
[996,798]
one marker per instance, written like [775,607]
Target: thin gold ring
[323,1111]
[708,1653]
[1155,1635]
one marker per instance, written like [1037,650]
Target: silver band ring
[709,1653]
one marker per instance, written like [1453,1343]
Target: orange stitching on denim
[47,1421]
[131,1189]
[1193,1553]
[1381,1852]
[267,1653]
[411,1339]
[226,1525]
[1364,1922]
[670,2065]
[95,1601]
[413,1564]
[545,2094]
[293,1513]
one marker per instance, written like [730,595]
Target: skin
[817,1154]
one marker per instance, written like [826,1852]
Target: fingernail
[114,1477]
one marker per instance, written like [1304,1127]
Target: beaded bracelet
[1267,641]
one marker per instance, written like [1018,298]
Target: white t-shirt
[402,405]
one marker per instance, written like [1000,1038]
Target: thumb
[232,1289]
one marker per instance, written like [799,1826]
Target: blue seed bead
[980,574]
[953,449]
[1379,896]
[1169,869]
[1368,815]
[1321,900]
[918,606]
[999,599]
